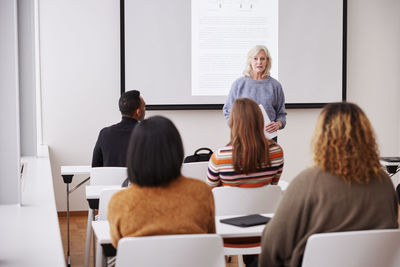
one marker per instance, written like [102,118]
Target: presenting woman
[159,200]
[258,85]
[346,190]
[249,159]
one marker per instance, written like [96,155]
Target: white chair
[244,201]
[101,176]
[196,170]
[108,175]
[104,199]
[369,248]
[195,250]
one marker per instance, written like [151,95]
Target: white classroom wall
[80,77]
[374,68]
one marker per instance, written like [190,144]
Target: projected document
[222,32]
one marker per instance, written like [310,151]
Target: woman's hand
[273,126]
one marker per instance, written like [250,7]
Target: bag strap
[203,148]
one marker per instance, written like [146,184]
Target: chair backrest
[241,201]
[196,170]
[369,248]
[108,175]
[196,250]
[104,198]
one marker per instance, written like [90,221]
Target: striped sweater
[221,170]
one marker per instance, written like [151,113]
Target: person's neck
[258,77]
[130,117]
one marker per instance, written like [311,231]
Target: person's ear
[138,113]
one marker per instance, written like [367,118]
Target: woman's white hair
[248,71]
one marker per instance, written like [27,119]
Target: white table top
[78,169]
[102,229]
[387,163]
[30,232]
[93,191]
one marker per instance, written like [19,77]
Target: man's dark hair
[155,152]
[129,102]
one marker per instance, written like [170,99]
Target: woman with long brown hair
[249,159]
[346,190]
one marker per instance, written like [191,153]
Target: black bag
[196,157]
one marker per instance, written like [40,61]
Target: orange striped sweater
[221,170]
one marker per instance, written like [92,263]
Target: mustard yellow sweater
[184,206]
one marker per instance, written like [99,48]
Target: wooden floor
[78,237]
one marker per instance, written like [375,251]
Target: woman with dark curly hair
[346,190]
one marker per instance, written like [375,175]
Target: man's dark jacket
[112,144]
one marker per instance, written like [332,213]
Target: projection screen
[184,54]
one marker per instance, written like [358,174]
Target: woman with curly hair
[346,190]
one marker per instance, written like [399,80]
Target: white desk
[102,232]
[93,193]
[67,173]
[30,232]
[92,196]
[74,170]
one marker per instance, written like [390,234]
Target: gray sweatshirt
[268,93]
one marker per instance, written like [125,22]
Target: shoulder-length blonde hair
[250,148]
[344,143]
[248,70]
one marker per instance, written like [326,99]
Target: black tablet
[246,221]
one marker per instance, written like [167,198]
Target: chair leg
[88,237]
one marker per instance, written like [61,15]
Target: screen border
[219,106]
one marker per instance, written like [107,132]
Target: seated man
[112,143]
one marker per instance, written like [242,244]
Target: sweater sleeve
[278,174]
[281,234]
[229,101]
[213,178]
[280,108]
[277,157]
